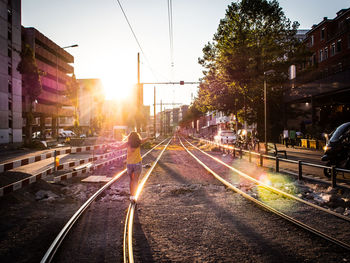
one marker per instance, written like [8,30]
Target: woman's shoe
[133,199]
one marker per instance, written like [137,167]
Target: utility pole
[161,118]
[138,68]
[154,113]
[139,99]
[265,114]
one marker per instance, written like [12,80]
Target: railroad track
[50,253]
[127,242]
[296,167]
[313,226]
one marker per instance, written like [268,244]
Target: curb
[21,162]
[43,175]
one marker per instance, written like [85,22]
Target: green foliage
[71,91]
[193,113]
[31,85]
[253,38]
[76,127]
[30,73]
[147,145]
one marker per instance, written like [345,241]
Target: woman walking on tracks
[134,162]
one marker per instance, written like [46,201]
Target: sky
[107,49]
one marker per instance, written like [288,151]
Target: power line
[171,31]
[137,41]
[171,40]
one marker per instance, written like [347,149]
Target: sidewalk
[299,153]
[12,155]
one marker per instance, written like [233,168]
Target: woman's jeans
[134,171]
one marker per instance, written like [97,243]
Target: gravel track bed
[35,215]
[313,217]
[185,215]
[98,235]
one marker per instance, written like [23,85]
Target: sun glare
[117,89]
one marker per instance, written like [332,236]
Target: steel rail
[271,188]
[125,254]
[127,242]
[62,234]
[274,158]
[269,208]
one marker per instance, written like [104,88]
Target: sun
[117,88]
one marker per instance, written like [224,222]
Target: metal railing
[300,163]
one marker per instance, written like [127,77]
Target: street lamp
[57,118]
[269,72]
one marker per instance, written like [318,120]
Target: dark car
[337,149]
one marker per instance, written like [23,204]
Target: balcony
[52,98]
[51,110]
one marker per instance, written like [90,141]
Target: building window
[9,52]
[9,84]
[9,15]
[9,35]
[325,53]
[321,55]
[313,60]
[312,40]
[322,33]
[9,70]
[339,46]
[10,105]
[333,49]
[10,123]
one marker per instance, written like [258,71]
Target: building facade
[10,78]
[52,107]
[318,99]
[90,103]
[183,112]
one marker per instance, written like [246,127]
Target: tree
[31,85]
[253,38]
[193,113]
[72,90]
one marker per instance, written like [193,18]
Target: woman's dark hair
[134,139]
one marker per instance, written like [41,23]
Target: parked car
[337,149]
[66,134]
[225,137]
[36,135]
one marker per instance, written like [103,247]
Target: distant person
[292,137]
[134,161]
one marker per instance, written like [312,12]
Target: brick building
[318,99]
[10,78]
[52,107]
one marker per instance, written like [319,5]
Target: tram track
[50,253]
[128,229]
[340,219]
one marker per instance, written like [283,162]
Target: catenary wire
[136,39]
[171,32]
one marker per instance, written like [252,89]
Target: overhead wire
[171,41]
[171,32]
[137,41]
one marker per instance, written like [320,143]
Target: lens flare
[278,181]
